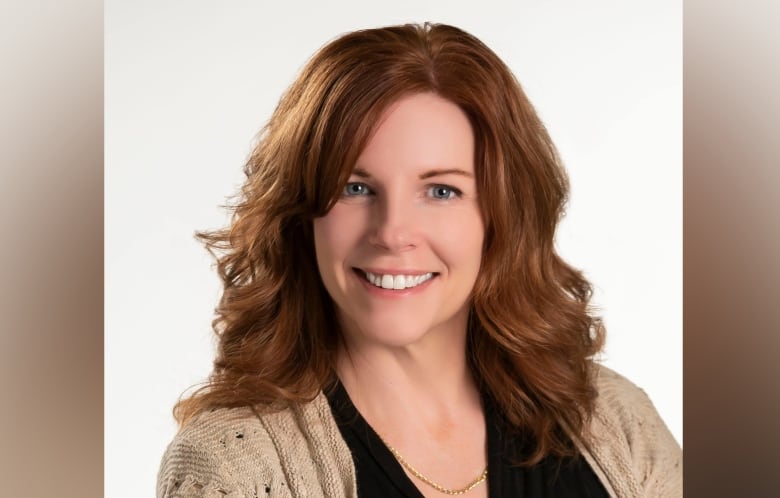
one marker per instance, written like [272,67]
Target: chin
[398,326]
[394,334]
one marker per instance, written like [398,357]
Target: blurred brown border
[51,255]
[731,248]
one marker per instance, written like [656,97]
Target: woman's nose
[395,225]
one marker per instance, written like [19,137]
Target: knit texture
[299,451]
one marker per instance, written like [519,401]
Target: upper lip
[394,271]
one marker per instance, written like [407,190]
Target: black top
[379,475]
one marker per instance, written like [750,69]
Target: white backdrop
[189,84]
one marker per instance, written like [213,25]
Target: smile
[396,282]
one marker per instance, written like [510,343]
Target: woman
[395,320]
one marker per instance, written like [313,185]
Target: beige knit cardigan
[299,451]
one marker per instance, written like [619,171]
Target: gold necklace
[430,483]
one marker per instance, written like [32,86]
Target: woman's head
[276,320]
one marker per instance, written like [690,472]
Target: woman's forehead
[422,132]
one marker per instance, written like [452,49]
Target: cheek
[335,236]
[326,251]
[460,241]
[326,243]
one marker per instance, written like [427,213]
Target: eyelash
[453,192]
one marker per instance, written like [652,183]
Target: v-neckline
[346,413]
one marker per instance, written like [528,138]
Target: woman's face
[400,251]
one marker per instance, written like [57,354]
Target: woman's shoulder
[623,405]
[244,452]
[223,452]
[629,440]
[211,427]
[617,393]
[204,426]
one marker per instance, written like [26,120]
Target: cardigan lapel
[315,458]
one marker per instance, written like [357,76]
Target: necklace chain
[416,473]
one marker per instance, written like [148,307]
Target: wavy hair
[531,335]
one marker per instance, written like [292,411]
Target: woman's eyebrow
[359,172]
[440,172]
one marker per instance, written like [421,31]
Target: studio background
[189,84]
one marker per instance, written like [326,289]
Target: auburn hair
[531,335]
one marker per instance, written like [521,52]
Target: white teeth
[387,281]
[397,282]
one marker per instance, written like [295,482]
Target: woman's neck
[429,382]
[421,400]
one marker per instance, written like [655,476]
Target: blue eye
[443,192]
[354,189]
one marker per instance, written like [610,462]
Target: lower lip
[392,293]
